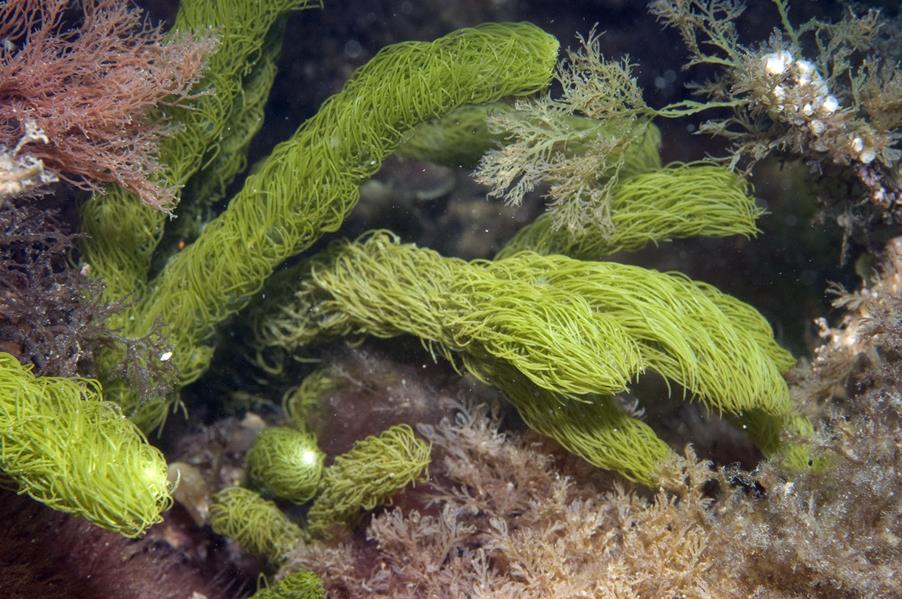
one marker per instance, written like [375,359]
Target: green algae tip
[303,584]
[366,476]
[74,452]
[257,524]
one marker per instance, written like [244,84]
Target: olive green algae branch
[680,200]
[76,453]
[310,182]
[303,584]
[365,476]
[258,524]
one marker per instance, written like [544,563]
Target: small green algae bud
[259,525]
[285,464]
[76,453]
[364,477]
[297,585]
[301,404]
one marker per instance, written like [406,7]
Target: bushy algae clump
[666,203]
[66,447]
[302,584]
[286,464]
[122,237]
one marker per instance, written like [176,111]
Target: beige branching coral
[868,322]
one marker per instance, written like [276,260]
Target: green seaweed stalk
[683,200]
[302,584]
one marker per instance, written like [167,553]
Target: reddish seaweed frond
[91,89]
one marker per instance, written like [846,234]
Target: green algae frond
[674,202]
[259,525]
[76,453]
[553,338]
[595,427]
[364,477]
[682,329]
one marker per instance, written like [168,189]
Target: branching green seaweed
[552,337]
[302,584]
[594,427]
[76,453]
[681,328]
[677,201]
